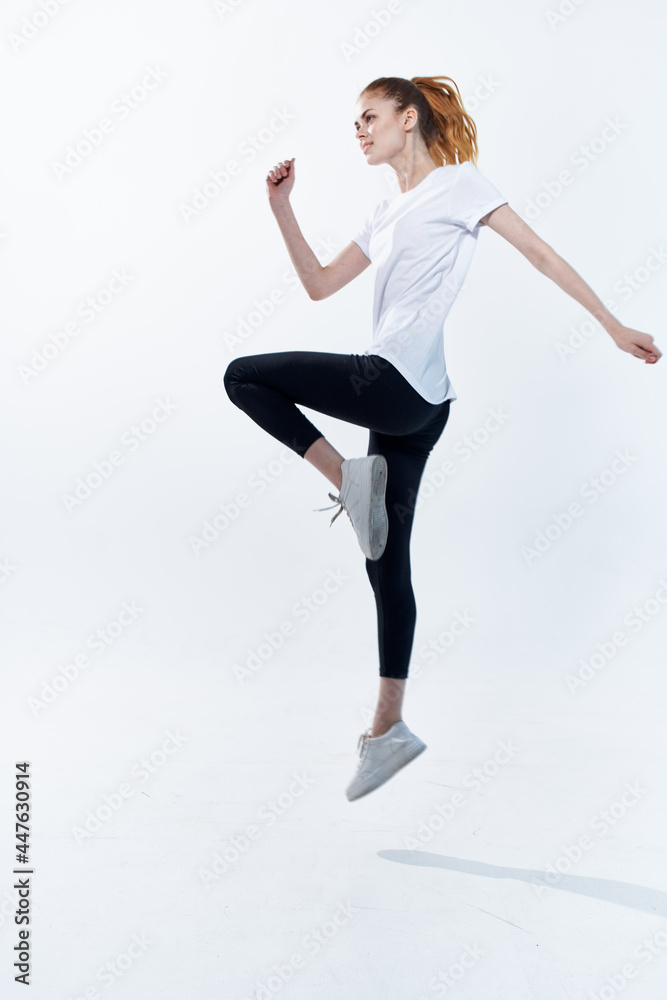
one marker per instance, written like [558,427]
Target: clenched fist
[280,181]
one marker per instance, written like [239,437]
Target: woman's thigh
[361,389]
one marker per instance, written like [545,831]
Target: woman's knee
[236,375]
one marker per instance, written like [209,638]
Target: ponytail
[447,129]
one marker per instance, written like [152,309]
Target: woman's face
[380,132]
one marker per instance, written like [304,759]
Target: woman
[422,241]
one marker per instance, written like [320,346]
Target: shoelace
[363,743]
[341,508]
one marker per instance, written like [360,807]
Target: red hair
[447,129]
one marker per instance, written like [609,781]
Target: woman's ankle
[380,728]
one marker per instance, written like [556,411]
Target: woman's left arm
[505,221]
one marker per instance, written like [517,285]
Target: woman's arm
[319,280]
[306,264]
[279,184]
[507,223]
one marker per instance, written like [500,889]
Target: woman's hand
[638,344]
[280,181]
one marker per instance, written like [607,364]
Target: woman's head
[423,116]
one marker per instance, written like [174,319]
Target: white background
[542,89]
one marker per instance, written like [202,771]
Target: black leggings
[365,390]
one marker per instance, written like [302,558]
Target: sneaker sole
[415,752]
[377,520]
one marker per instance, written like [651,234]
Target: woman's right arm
[319,281]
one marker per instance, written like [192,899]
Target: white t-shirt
[422,242]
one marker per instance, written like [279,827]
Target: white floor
[188,802]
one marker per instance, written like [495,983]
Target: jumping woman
[422,242]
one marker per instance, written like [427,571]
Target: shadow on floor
[637,897]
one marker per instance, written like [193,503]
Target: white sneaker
[362,496]
[382,756]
